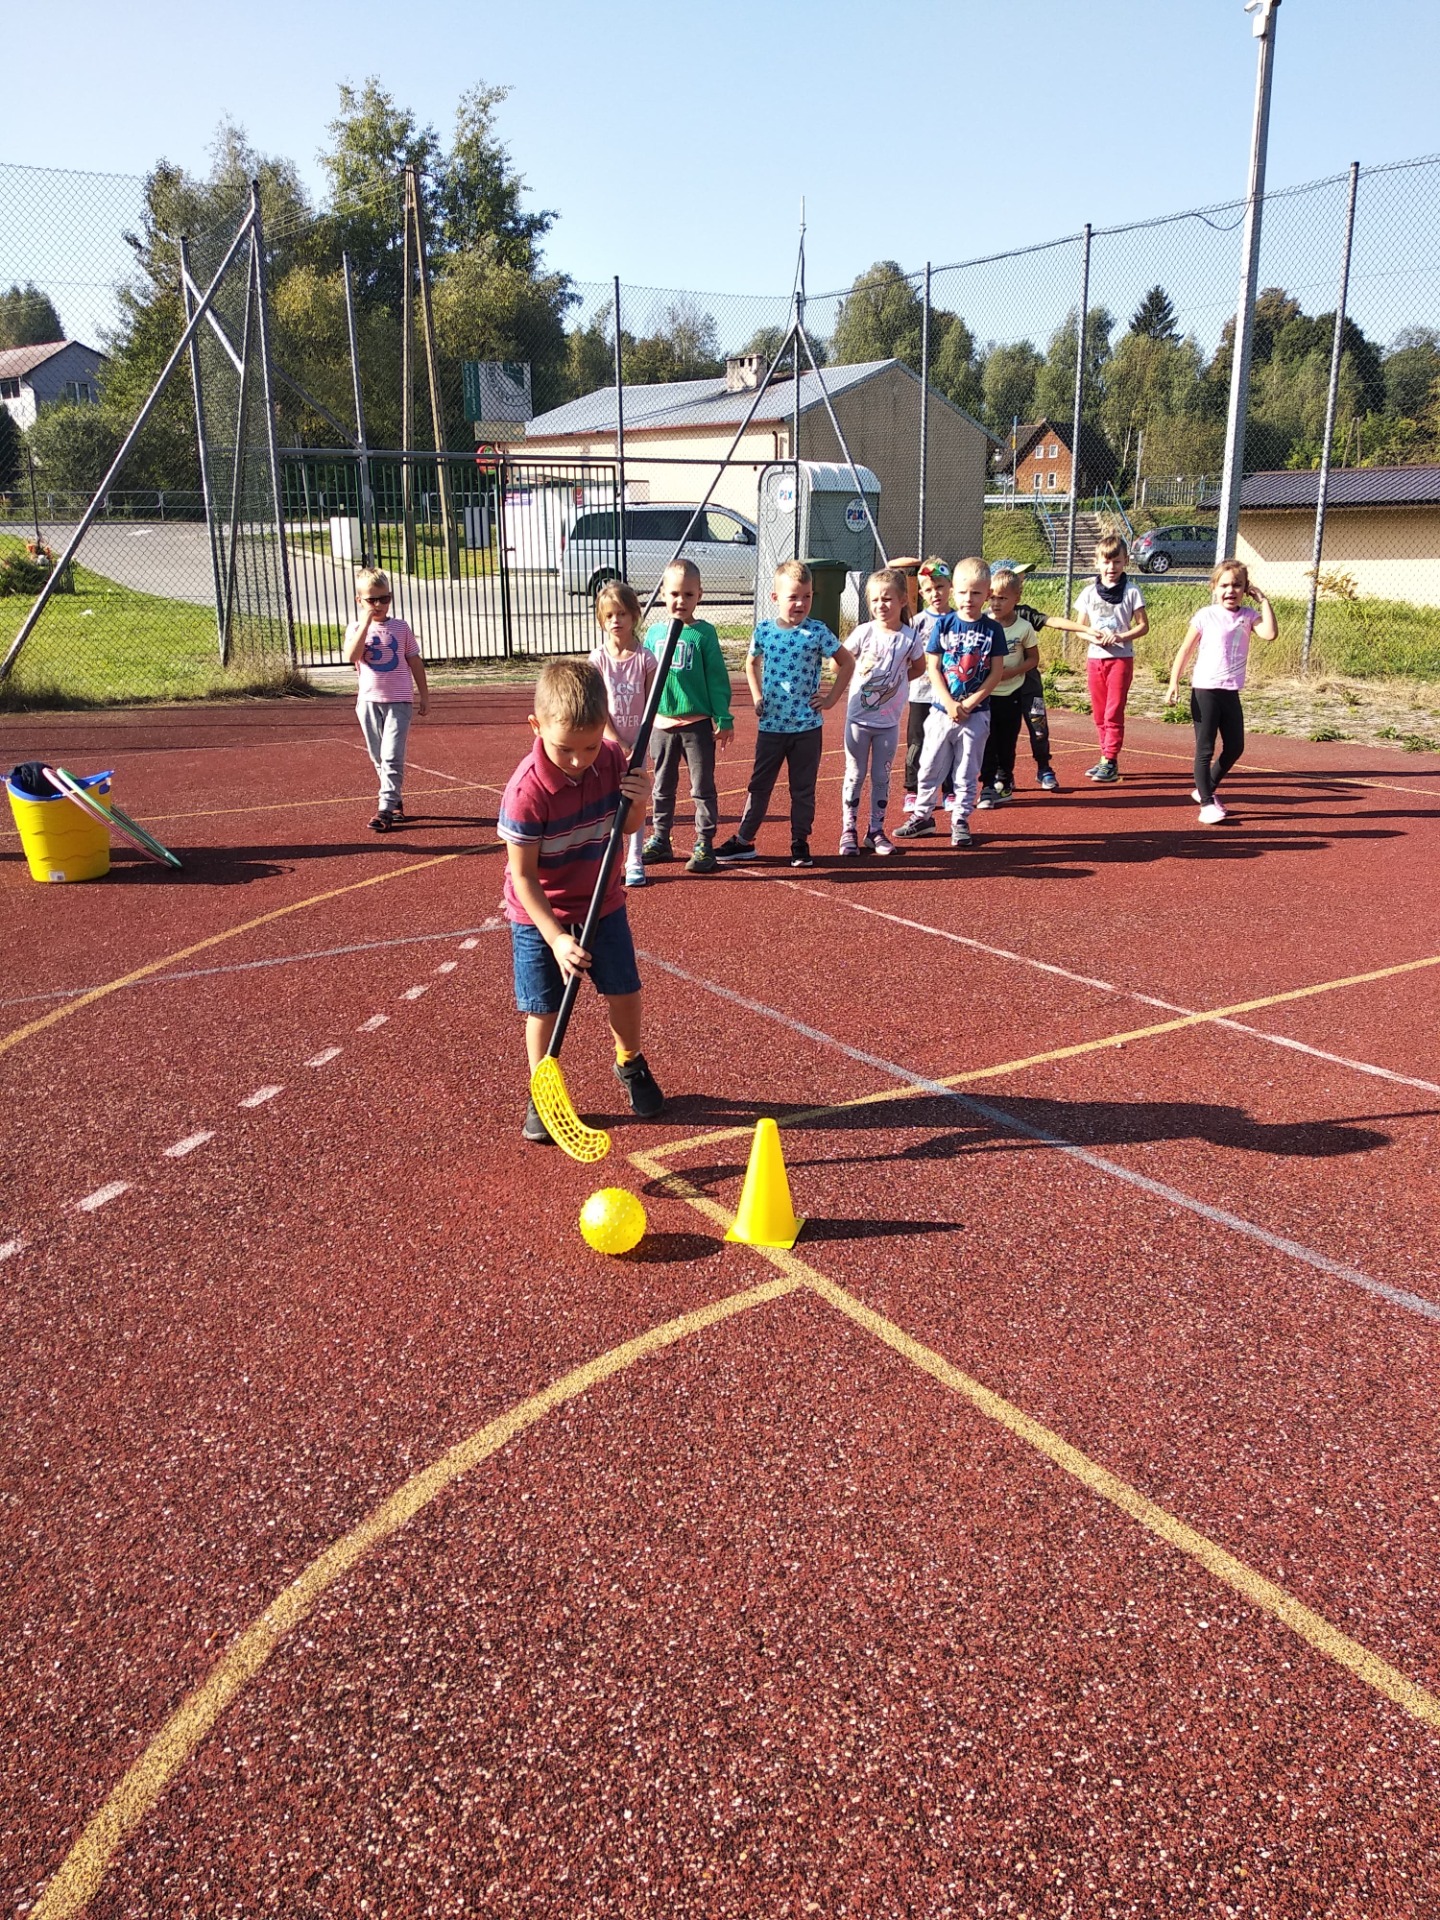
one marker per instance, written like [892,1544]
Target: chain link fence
[363,389]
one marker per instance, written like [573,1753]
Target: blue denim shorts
[539,985]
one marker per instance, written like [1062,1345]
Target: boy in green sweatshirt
[693,719]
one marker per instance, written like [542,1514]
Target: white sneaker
[909,803]
[1212,815]
[880,842]
[950,804]
[1197,796]
[635,877]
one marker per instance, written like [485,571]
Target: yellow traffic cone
[766,1217]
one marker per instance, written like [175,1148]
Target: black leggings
[1215,710]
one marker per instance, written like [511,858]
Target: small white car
[723,546]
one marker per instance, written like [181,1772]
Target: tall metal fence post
[201,446]
[272,443]
[924,412]
[407,393]
[1228,525]
[1080,333]
[620,435]
[369,555]
[1337,348]
[448,527]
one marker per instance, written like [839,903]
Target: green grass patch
[1013,533]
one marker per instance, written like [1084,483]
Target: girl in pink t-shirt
[1218,639]
[386,656]
[628,671]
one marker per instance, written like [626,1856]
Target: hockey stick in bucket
[547,1084]
[110,814]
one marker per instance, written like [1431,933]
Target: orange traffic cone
[766,1217]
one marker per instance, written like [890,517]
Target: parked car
[1170,547]
[723,546]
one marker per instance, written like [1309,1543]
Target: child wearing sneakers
[555,818]
[965,657]
[783,670]
[1007,710]
[693,719]
[1218,639]
[888,653]
[628,671]
[1114,613]
[386,655]
[934,581]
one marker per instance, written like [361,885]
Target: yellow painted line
[216,939]
[299,806]
[83,1869]
[1071,1052]
[1291,773]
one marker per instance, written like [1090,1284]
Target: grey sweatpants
[386,727]
[956,748]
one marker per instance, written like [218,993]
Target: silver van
[723,546]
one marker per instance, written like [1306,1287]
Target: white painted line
[376,1021]
[188,1145]
[102,1196]
[467,945]
[447,966]
[260,1096]
[1101,986]
[325,1056]
[1278,1243]
[413,993]
[9,1248]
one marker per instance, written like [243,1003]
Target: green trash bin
[829,578]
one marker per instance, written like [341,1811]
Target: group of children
[968,678]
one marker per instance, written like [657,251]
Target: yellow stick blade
[555,1108]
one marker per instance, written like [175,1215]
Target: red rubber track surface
[1055,1533]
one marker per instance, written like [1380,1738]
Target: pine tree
[1155,317]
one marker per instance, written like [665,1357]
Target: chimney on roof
[744,372]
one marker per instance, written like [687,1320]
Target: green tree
[489,308]
[72,447]
[1008,385]
[1155,317]
[28,317]
[11,448]
[879,319]
[1410,370]
[1148,378]
[956,369]
[685,346]
[1055,382]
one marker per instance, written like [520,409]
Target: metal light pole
[1229,523]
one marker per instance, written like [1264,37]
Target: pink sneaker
[909,803]
[880,843]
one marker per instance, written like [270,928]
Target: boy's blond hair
[617,593]
[1004,577]
[368,578]
[686,567]
[1108,545]
[795,570]
[972,569]
[571,694]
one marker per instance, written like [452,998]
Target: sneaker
[1004,792]
[949,803]
[1106,774]
[383,821]
[849,845]
[730,852]
[909,806]
[989,797]
[879,842]
[913,828]
[1047,781]
[1195,793]
[702,860]
[1090,772]
[635,877]
[1212,815]
[646,1099]
[960,834]
[535,1129]
[657,847]
[800,854]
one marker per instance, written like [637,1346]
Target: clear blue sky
[676,145]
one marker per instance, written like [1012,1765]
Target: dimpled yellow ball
[612,1221]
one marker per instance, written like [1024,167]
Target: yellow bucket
[61,840]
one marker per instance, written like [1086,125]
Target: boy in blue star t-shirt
[783,671]
[965,658]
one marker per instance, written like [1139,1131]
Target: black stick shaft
[617,835]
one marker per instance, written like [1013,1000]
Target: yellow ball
[612,1220]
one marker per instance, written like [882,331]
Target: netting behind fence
[461,433]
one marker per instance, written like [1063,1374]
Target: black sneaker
[383,821]
[730,852]
[702,860]
[657,847]
[960,835]
[915,826]
[800,854]
[646,1099]
[535,1129]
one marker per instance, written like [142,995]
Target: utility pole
[1228,527]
